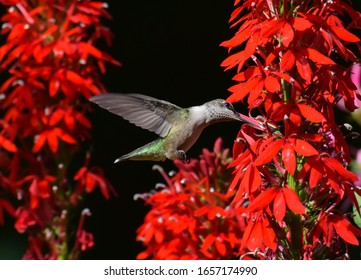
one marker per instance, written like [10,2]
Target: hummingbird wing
[143,111]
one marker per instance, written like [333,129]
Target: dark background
[169,49]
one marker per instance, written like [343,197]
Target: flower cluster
[294,173]
[52,68]
[190,217]
[290,190]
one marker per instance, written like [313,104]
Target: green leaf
[356,215]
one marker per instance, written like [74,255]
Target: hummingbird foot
[183,156]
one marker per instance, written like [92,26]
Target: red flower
[84,239]
[24,218]
[295,170]
[88,179]
[258,234]
[330,225]
[39,189]
[190,217]
[52,69]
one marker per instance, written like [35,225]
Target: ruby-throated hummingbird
[178,128]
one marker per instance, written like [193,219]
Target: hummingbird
[178,128]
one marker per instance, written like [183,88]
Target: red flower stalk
[53,68]
[190,217]
[294,174]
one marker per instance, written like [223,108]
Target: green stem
[296,234]
[286,91]
[291,182]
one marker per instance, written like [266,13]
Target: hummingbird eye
[229,106]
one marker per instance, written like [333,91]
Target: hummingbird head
[220,110]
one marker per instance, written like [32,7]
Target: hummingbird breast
[183,135]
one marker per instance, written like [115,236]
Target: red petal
[233,239]
[143,255]
[269,153]
[342,227]
[289,158]
[249,73]
[236,12]
[262,200]
[208,241]
[304,68]
[148,233]
[241,90]
[238,148]
[256,238]
[83,120]
[293,201]
[52,141]
[255,93]
[65,136]
[317,57]
[310,113]
[272,84]
[34,192]
[90,182]
[343,34]
[237,39]
[287,34]
[56,117]
[40,141]
[75,78]
[80,173]
[295,117]
[287,62]
[279,207]
[251,45]
[247,233]
[235,181]
[269,236]
[315,173]
[300,24]
[34,202]
[88,48]
[255,178]
[102,185]
[69,120]
[54,86]
[220,246]
[288,79]
[233,60]
[328,39]
[159,236]
[303,148]
[7,144]
[251,179]
[340,169]
[272,27]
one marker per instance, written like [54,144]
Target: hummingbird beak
[250,121]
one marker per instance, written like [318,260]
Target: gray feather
[143,111]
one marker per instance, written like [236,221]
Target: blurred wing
[144,111]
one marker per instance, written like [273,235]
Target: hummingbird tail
[122,158]
[152,151]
